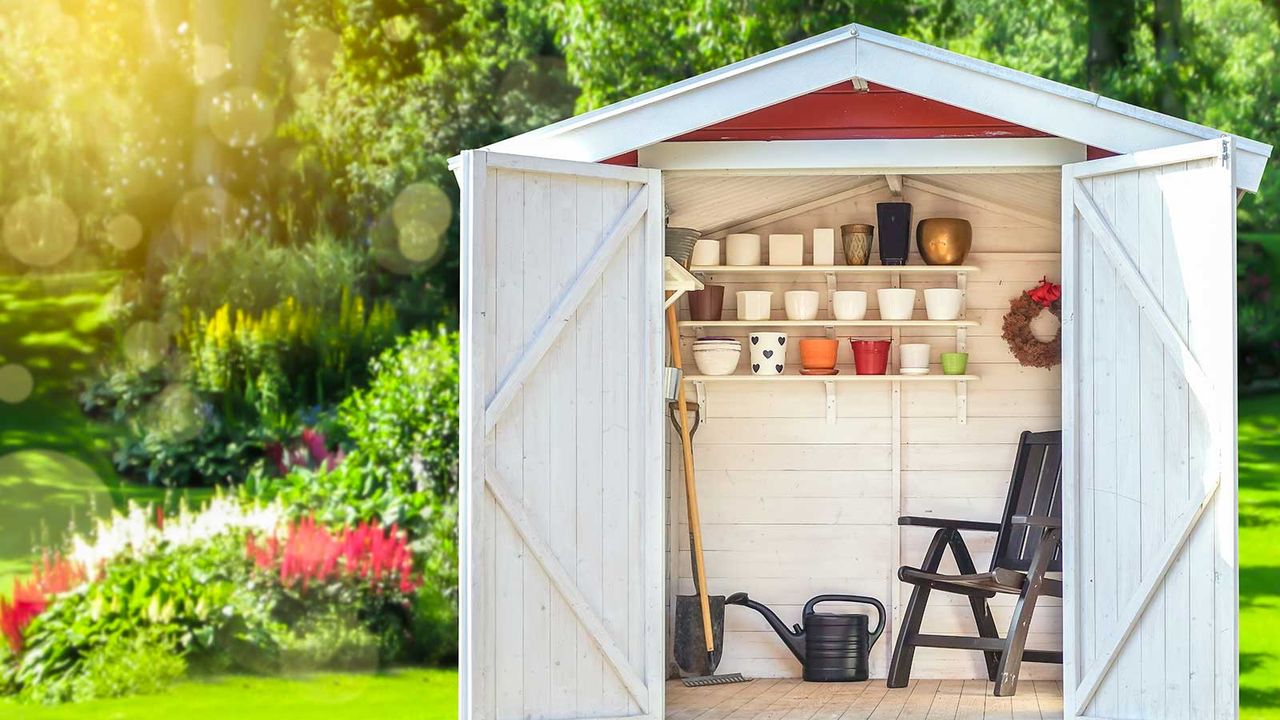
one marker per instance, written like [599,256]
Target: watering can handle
[813,602]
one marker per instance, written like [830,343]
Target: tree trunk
[1111,24]
[1166,29]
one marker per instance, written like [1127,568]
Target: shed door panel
[1149,336]
[561,481]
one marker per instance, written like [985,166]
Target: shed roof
[858,51]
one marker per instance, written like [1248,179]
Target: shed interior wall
[793,506]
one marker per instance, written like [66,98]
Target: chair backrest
[1034,489]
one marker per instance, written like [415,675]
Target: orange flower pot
[818,353]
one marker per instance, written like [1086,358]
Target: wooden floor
[923,700]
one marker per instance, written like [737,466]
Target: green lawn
[1260,557]
[411,694]
[55,466]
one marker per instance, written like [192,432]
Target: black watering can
[832,647]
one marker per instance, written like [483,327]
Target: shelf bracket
[697,331]
[830,386]
[831,331]
[962,402]
[700,392]
[895,185]
[831,294]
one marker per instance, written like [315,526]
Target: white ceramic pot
[754,304]
[786,249]
[896,303]
[914,355]
[824,246]
[801,304]
[706,252]
[942,303]
[849,304]
[717,360]
[768,352]
[742,249]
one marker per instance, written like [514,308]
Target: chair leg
[1020,625]
[904,648]
[981,610]
[987,629]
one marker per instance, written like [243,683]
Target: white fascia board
[1034,102]
[865,156]
[704,100]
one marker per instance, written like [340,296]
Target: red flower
[311,553]
[53,575]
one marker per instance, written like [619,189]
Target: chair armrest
[932,522]
[1037,520]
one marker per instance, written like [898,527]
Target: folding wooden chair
[1028,545]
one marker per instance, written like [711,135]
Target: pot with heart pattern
[768,352]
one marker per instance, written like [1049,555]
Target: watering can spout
[793,637]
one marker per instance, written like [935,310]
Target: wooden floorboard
[791,699]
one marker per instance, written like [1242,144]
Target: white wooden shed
[572,543]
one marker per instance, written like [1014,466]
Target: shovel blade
[690,642]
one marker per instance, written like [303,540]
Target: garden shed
[573,537]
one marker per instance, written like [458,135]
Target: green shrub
[195,601]
[1258,283]
[255,275]
[139,665]
[403,470]
[332,640]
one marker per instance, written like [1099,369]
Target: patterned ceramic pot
[768,352]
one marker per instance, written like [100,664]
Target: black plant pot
[895,231]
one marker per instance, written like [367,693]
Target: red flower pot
[870,357]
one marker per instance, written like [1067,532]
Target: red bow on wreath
[1046,293]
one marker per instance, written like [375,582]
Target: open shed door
[561,518]
[1149,401]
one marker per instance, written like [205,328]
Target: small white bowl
[754,304]
[942,303]
[742,249]
[849,304]
[801,304]
[896,303]
[717,360]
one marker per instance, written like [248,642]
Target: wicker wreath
[1024,345]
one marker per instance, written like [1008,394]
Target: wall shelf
[842,377]
[829,323]
[834,269]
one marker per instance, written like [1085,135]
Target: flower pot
[896,303]
[818,353]
[944,241]
[679,244]
[942,303]
[870,357]
[754,304]
[849,304]
[857,243]
[768,353]
[895,231]
[914,356]
[742,249]
[707,303]
[786,249]
[954,363]
[706,252]
[801,304]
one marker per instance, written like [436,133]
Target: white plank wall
[793,506]
[570,448]
[1148,446]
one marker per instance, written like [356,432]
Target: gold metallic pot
[944,241]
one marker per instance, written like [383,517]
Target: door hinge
[1226,151]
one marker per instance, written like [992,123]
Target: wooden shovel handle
[690,485]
